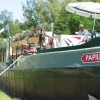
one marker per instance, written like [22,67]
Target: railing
[10,65]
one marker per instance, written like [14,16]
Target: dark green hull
[53,84]
[57,74]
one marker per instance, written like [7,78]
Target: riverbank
[4,96]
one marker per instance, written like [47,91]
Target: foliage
[97,26]
[61,26]
[5,16]
[27,24]
[68,23]
[43,13]
[13,29]
[2,40]
[45,16]
[64,22]
[75,20]
[29,11]
[4,96]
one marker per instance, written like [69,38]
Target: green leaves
[41,13]
[75,20]
[6,16]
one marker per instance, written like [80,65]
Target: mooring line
[10,65]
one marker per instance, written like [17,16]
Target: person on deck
[83,32]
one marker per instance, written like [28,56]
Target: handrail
[10,65]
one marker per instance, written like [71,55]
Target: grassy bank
[4,96]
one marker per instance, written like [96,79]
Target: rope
[10,65]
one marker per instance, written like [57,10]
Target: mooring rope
[10,65]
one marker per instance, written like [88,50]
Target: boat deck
[92,43]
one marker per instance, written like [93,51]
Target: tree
[42,11]
[27,25]
[61,26]
[29,14]
[6,16]
[68,23]
[49,13]
[14,28]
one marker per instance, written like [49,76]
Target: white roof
[87,9]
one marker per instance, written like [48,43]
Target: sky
[14,6]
